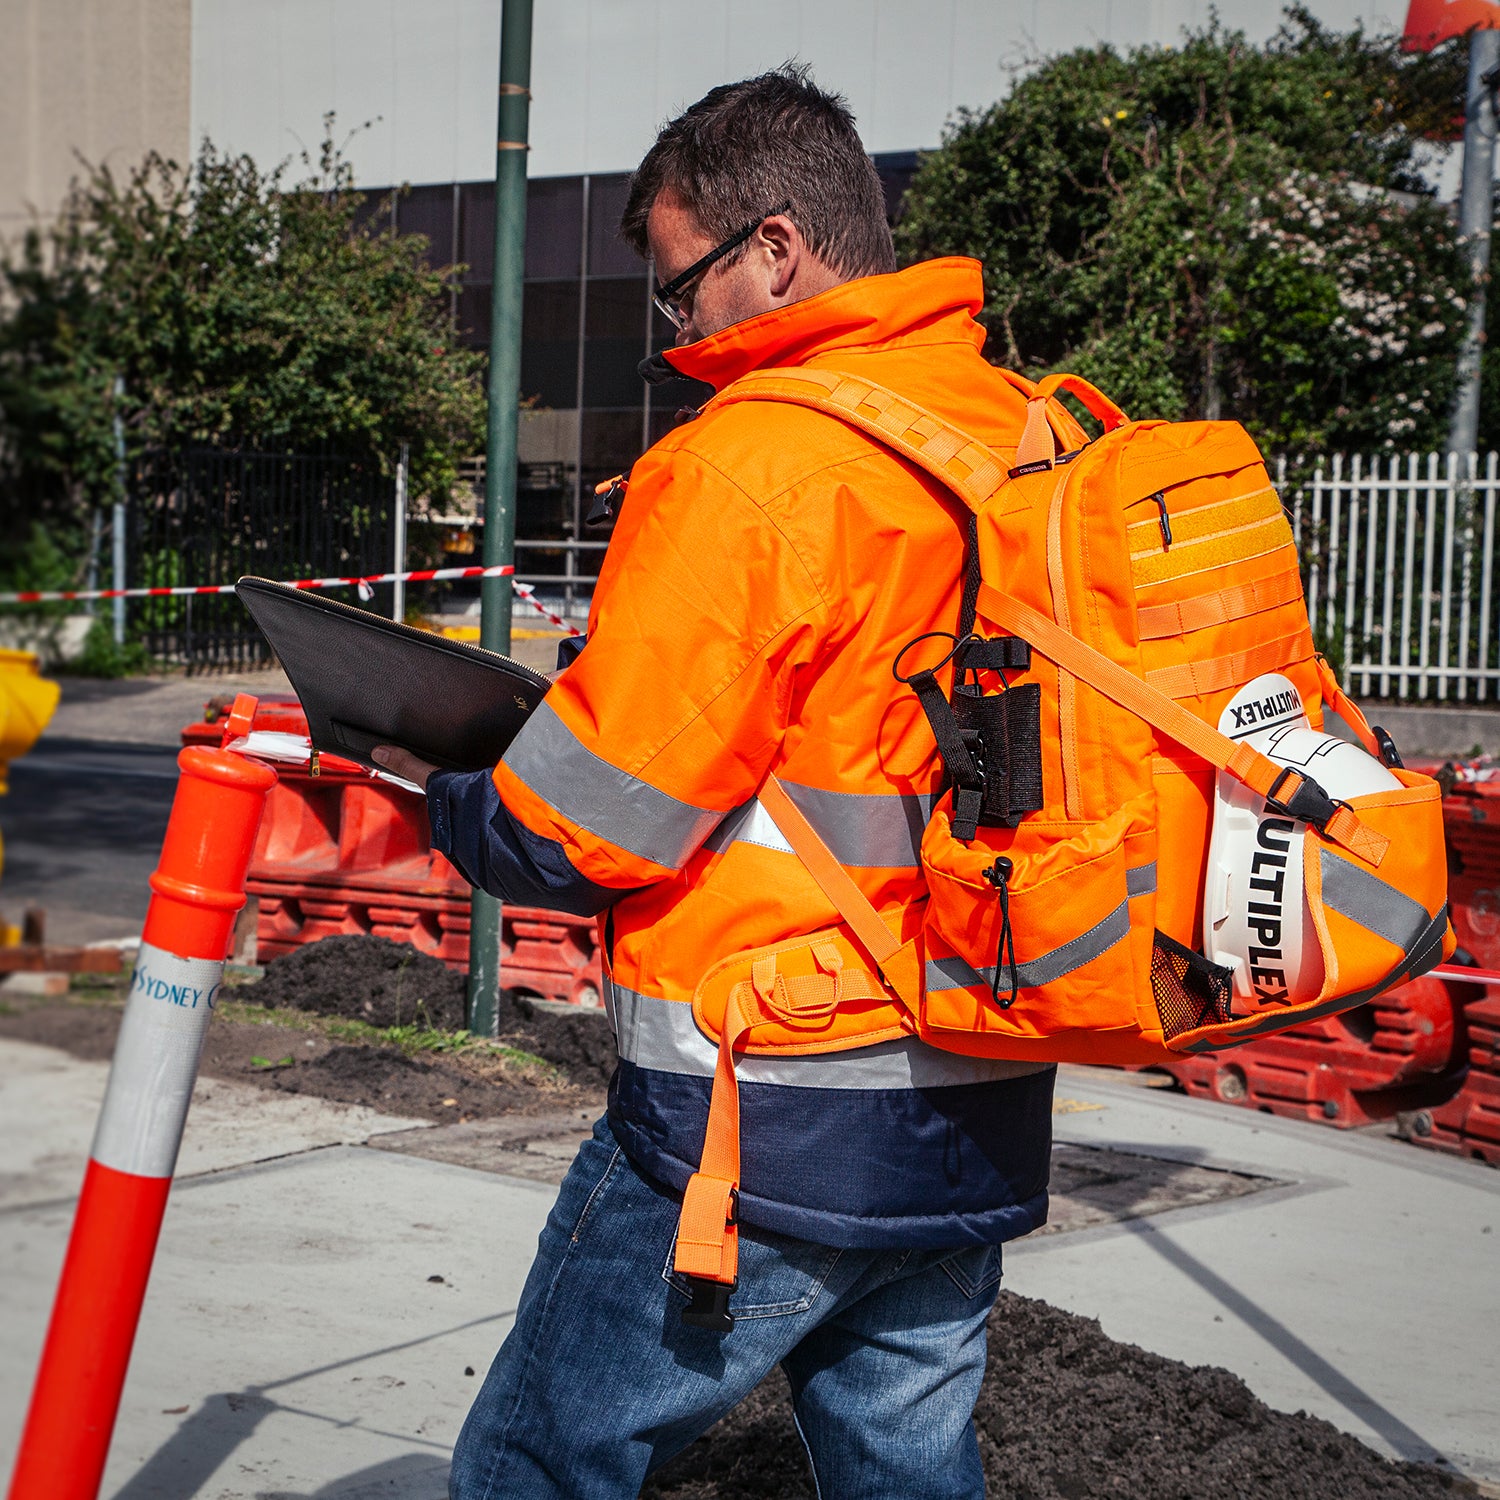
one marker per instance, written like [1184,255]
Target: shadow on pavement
[412,1476]
[205,1439]
[1406,1441]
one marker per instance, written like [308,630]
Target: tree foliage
[1219,229]
[219,304]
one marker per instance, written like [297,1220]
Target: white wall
[103,79]
[607,73]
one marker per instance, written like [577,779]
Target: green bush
[1219,229]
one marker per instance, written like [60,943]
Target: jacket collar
[933,302]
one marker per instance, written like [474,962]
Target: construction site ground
[353,1221]
[355,1215]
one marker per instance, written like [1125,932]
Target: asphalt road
[83,825]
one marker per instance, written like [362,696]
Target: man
[768,565]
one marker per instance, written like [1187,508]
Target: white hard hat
[1256,920]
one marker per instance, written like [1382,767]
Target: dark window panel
[896,168]
[544,510]
[609,374]
[609,255]
[554,227]
[474,316]
[476,240]
[611,444]
[549,343]
[428,211]
[615,342]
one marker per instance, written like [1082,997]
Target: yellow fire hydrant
[27,702]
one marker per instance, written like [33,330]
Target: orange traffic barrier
[197,889]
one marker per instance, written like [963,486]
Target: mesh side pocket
[1190,992]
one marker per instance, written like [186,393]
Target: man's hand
[403,763]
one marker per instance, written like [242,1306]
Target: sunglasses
[674,300]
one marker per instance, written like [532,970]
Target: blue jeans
[599,1382]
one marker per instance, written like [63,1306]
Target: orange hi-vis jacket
[768,565]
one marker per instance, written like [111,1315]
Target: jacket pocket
[1032,938]
[810,994]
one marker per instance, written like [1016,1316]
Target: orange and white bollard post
[197,889]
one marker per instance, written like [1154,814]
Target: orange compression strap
[1350,712]
[1157,621]
[833,879]
[1240,760]
[849,901]
[708,1236]
[1215,673]
[708,1225]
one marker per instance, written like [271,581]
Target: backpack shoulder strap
[955,459]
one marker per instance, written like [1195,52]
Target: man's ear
[781,240]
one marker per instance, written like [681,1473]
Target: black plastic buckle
[1308,804]
[608,498]
[999,653]
[1388,751]
[709,1304]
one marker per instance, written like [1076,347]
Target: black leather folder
[366,681]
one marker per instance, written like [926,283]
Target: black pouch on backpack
[1008,728]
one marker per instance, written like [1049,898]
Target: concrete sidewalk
[296,1343]
[319,1315]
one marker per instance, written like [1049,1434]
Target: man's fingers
[403,763]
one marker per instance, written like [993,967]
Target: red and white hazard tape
[363,585]
[528,593]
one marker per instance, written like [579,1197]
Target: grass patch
[408,1039]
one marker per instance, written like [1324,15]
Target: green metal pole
[500,452]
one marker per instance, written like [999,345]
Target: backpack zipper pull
[1163,518]
[998,876]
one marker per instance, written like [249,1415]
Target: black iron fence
[205,515]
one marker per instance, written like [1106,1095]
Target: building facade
[410,85]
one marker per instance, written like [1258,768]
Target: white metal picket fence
[1398,563]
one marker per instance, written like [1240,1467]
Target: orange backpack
[1118,598]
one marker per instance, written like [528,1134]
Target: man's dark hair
[746,148]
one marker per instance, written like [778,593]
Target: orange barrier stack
[1364,1065]
[1469,1123]
[1471,821]
[340,853]
[197,889]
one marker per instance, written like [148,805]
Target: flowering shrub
[1218,230]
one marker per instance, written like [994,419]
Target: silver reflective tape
[1046,968]
[871,831]
[749,823]
[1141,880]
[156,1062]
[662,1035]
[1372,903]
[863,830]
[630,813]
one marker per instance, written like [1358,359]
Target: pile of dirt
[422,1087]
[365,979]
[383,983]
[1068,1414]
[581,1044]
